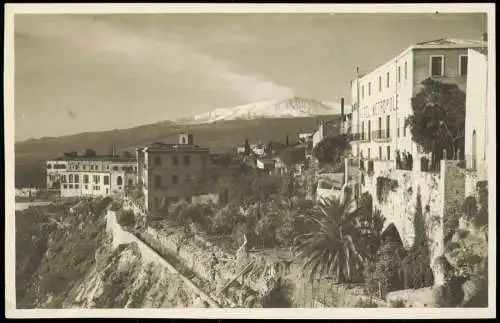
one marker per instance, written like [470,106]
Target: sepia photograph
[219,159]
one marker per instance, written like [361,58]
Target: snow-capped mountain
[295,107]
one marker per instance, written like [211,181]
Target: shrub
[115,206]
[126,218]
[384,186]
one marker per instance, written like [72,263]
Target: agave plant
[334,247]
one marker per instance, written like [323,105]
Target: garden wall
[442,195]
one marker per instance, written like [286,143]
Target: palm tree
[333,247]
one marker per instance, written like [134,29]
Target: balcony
[360,136]
[381,135]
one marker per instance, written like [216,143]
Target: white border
[11,9]
[442,65]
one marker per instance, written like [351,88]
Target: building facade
[477,104]
[382,98]
[168,172]
[91,175]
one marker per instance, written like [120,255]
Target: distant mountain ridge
[296,107]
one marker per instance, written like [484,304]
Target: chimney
[484,37]
[342,108]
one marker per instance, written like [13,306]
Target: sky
[81,73]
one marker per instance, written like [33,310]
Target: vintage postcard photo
[267,161]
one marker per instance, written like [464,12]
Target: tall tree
[247,147]
[331,149]
[287,143]
[438,120]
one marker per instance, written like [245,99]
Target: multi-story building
[91,175]
[167,172]
[382,98]
[476,117]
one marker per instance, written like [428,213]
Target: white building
[91,175]
[384,104]
[477,104]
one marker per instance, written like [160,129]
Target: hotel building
[91,175]
[382,98]
[167,172]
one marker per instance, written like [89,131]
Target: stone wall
[442,195]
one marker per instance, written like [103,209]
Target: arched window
[474,149]
[77,179]
[71,178]
[119,181]
[85,179]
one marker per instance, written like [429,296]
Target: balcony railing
[380,135]
[362,136]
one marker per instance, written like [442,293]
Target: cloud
[170,58]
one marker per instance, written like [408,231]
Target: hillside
[67,261]
[30,155]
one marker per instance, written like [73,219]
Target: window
[388,125]
[363,91]
[379,127]
[175,160]
[157,160]
[157,181]
[388,152]
[404,127]
[77,186]
[84,167]
[399,74]
[96,179]
[106,180]
[175,179]
[49,166]
[398,125]
[130,183]
[462,68]
[363,130]
[71,186]
[124,168]
[388,79]
[71,178]
[115,167]
[380,83]
[369,130]
[369,88]
[65,185]
[85,179]
[379,152]
[64,179]
[368,153]
[119,181]
[86,187]
[187,160]
[437,66]
[406,70]
[77,178]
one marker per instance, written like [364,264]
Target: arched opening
[474,150]
[391,235]
[119,181]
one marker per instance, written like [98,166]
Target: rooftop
[168,147]
[96,158]
[452,42]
